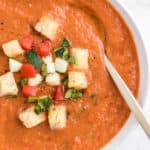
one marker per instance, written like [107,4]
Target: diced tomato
[29,90]
[59,95]
[27,43]
[44,48]
[28,71]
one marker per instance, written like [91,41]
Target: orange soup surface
[94,119]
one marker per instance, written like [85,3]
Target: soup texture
[94,119]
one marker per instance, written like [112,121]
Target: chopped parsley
[65,81]
[73,94]
[44,71]
[23,82]
[65,54]
[72,60]
[42,105]
[63,50]
[65,43]
[60,51]
[32,99]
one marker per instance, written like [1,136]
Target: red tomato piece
[28,71]
[29,90]
[44,48]
[59,95]
[27,43]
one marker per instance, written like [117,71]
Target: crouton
[30,119]
[77,80]
[57,117]
[12,48]
[47,27]
[8,85]
[81,56]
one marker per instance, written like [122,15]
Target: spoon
[128,96]
[124,90]
[119,82]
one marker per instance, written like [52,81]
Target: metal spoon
[119,82]
[124,90]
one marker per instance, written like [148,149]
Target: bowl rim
[144,87]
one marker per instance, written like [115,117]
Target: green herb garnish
[34,58]
[62,52]
[65,43]
[42,106]
[73,94]
[59,52]
[77,95]
[65,54]
[44,71]
[32,99]
[23,82]
[68,94]
[43,103]
[72,60]
[65,81]
[37,109]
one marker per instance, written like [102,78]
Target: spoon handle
[128,96]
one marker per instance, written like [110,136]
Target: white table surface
[140,10]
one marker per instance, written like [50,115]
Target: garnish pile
[59,67]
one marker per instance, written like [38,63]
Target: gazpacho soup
[55,92]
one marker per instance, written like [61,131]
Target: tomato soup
[95,118]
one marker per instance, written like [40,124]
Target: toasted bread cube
[30,119]
[57,116]
[36,80]
[81,56]
[8,85]
[12,48]
[53,79]
[61,65]
[14,65]
[77,80]
[47,27]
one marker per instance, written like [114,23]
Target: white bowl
[131,123]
